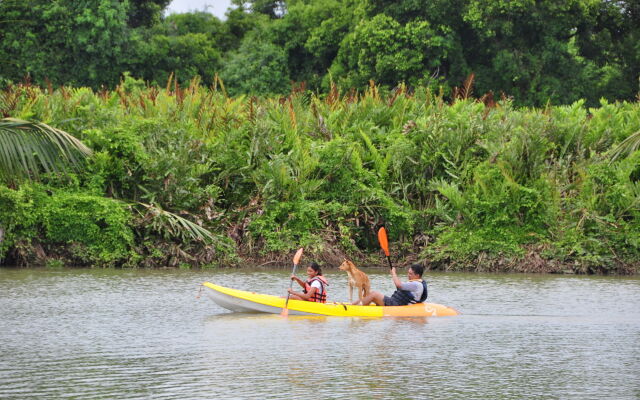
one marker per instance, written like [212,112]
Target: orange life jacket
[320,296]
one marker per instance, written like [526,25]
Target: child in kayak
[314,288]
[414,291]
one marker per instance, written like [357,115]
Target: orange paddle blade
[384,243]
[297,257]
[285,312]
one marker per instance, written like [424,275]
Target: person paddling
[314,288]
[414,291]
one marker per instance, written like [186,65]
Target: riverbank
[532,262]
[186,177]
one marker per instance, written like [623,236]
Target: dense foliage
[533,51]
[465,184]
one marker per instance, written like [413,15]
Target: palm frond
[29,148]
[174,225]
[626,147]
[451,191]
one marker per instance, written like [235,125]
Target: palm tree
[29,148]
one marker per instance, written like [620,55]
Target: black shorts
[389,301]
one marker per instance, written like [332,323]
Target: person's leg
[376,297]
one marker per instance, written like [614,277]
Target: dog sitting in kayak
[357,279]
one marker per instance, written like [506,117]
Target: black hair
[417,269]
[314,266]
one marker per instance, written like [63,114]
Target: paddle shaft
[390,265]
[293,272]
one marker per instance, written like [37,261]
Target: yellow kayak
[242,301]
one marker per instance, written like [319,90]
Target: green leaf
[29,148]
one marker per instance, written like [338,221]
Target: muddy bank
[172,255]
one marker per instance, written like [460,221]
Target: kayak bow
[242,301]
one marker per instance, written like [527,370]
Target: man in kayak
[414,291]
[314,288]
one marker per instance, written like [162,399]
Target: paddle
[384,243]
[296,260]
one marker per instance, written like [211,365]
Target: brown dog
[357,279]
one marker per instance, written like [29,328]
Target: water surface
[106,334]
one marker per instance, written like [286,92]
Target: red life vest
[320,296]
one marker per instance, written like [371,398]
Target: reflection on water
[108,334]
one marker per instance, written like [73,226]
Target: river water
[138,334]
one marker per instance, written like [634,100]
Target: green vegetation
[534,52]
[312,122]
[182,176]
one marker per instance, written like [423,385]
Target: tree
[258,67]
[388,52]
[216,31]
[311,33]
[146,12]
[272,8]
[526,49]
[437,12]
[609,40]
[186,56]
[66,42]
[239,23]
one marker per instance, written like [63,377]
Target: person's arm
[300,282]
[396,280]
[304,296]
